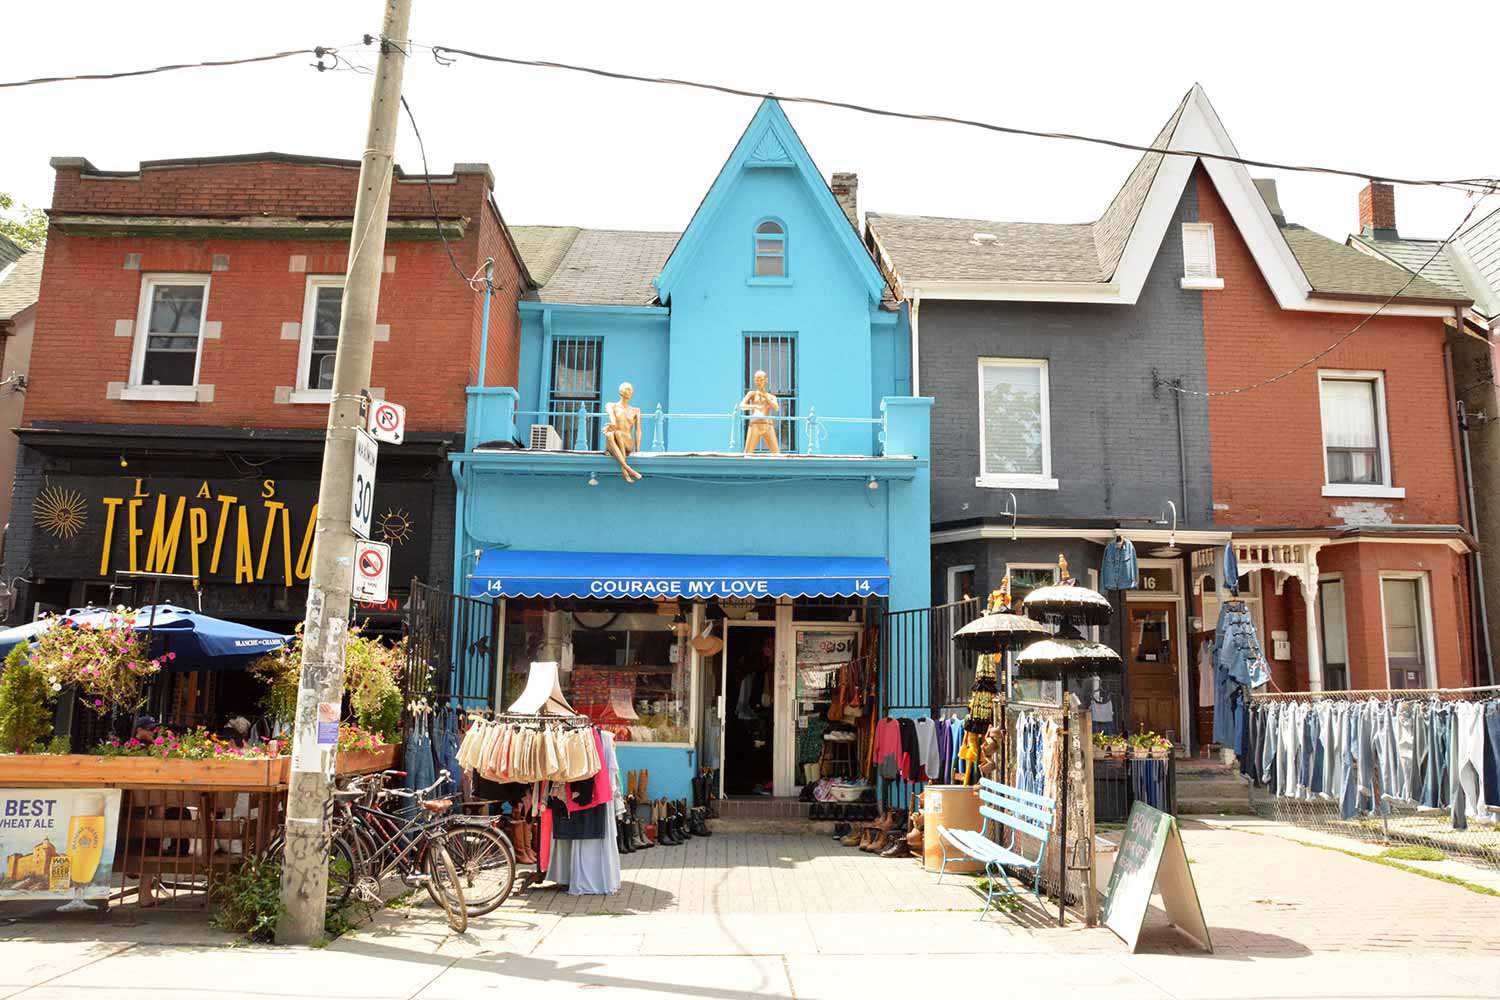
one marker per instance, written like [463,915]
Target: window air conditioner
[544,437]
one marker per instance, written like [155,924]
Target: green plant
[281,670]
[247,900]
[57,746]
[25,702]
[108,663]
[1414,853]
[370,671]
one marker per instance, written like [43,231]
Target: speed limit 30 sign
[372,572]
[362,498]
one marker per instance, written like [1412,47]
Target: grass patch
[1412,853]
[1005,904]
[1482,890]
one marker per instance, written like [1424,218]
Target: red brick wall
[433,315]
[1267,445]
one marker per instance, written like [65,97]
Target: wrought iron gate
[453,648]
[921,669]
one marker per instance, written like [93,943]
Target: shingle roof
[19,284]
[9,251]
[1335,269]
[927,248]
[593,266]
[1414,255]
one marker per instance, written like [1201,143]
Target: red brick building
[178,391]
[1341,482]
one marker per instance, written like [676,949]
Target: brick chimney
[1377,211]
[846,190]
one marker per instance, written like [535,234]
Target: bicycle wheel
[450,893]
[343,868]
[486,864]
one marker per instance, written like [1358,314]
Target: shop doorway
[749,685]
[1154,661]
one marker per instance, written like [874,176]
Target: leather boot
[867,837]
[520,838]
[853,837]
[880,842]
[897,848]
[840,830]
[622,838]
[700,823]
[916,840]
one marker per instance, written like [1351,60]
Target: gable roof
[601,267]
[20,284]
[1468,266]
[10,252]
[770,142]
[949,258]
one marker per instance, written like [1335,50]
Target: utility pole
[304,876]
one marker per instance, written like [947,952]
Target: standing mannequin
[761,404]
[622,434]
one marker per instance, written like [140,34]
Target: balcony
[901,431]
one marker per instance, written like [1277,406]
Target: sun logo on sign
[61,513]
[395,527]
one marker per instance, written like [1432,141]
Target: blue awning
[509,573]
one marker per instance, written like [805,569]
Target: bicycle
[483,854]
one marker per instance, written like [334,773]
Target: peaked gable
[769,142]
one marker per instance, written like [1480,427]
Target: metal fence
[1383,816]
[453,652]
[921,668]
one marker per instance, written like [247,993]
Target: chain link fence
[1323,796]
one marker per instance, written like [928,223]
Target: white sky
[1362,85]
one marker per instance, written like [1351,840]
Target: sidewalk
[1288,920]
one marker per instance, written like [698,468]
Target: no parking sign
[387,421]
[372,572]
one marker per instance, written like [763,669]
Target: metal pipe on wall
[1476,584]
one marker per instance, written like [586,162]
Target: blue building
[698,609]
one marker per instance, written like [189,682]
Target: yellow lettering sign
[244,556]
[272,506]
[111,504]
[267,489]
[203,492]
[225,502]
[304,556]
[135,530]
[197,533]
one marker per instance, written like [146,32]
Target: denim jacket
[1119,569]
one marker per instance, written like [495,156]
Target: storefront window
[623,665]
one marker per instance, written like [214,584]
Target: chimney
[1267,188]
[1377,211]
[846,191]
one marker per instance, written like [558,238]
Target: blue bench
[1017,812]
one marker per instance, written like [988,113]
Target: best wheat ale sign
[58,842]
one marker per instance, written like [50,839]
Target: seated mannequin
[622,432]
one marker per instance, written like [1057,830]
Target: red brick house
[178,389]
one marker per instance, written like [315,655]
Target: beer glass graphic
[85,847]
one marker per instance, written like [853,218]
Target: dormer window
[770,250]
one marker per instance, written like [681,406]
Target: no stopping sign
[372,572]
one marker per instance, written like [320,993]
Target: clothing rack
[566,720]
[1397,693]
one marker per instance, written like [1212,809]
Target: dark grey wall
[1114,446]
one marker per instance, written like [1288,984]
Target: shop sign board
[372,572]
[57,843]
[1152,859]
[362,492]
[387,421]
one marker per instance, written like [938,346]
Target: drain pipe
[1175,385]
[484,324]
[1477,564]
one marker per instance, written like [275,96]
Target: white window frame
[164,393]
[300,392]
[1196,281]
[1386,488]
[1424,611]
[953,572]
[1018,481]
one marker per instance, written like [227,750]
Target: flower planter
[88,770]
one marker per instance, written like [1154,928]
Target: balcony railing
[581,428]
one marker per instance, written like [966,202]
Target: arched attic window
[770,249]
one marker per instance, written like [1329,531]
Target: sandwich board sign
[372,572]
[1152,859]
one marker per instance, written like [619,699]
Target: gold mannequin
[622,434]
[761,405]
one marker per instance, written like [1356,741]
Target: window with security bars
[776,355]
[574,399]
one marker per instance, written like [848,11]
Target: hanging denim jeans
[1492,754]
[1349,769]
[1435,773]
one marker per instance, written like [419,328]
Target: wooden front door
[1153,662]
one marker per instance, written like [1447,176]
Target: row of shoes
[652,822]
[852,812]
[895,834]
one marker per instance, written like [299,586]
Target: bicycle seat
[347,795]
[437,805]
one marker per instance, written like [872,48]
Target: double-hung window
[575,403]
[1403,601]
[1356,446]
[321,310]
[1014,424]
[168,336]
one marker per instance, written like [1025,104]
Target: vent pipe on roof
[1267,188]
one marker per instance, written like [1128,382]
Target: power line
[319,51]
[443,55]
[1357,327]
[437,223]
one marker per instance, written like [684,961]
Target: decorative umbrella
[1070,602]
[200,642]
[1049,659]
[998,633]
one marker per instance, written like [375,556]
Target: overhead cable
[319,51]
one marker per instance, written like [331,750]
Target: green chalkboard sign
[1152,859]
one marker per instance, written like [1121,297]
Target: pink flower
[158,741]
[98,702]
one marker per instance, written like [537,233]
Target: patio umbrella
[1070,602]
[998,632]
[200,642]
[1049,659]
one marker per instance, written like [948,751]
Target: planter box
[88,771]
